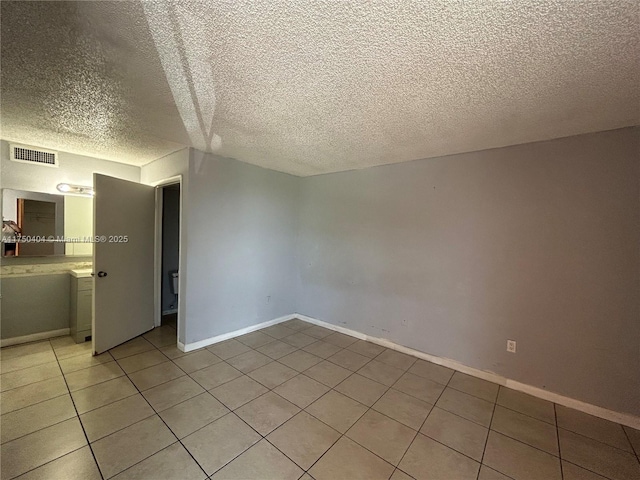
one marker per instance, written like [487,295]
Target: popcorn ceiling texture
[315,87]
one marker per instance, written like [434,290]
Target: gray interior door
[123,261]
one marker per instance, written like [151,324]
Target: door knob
[102,274]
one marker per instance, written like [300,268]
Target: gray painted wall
[241,266]
[537,243]
[21,315]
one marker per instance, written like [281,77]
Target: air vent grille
[25,154]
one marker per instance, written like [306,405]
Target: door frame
[157,278]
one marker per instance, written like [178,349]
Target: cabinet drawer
[85,283]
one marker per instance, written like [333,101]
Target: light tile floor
[291,401]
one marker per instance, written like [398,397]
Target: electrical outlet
[511,346]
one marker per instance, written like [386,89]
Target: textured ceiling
[315,87]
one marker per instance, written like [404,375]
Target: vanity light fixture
[75,189]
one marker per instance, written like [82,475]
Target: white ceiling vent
[34,155]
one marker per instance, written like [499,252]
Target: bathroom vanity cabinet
[81,306]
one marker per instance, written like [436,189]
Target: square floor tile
[276,349]
[322,349]
[361,389]
[93,375]
[396,359]
[228,349]
[340,339]
[381,372]
[404,408]
[574,472]
[260,462]
[518,460]
[527,404]
[156,375]
[237,392]
[487,473]
[297,324]
[598,457]
[73,350]
[172,352]
[428,459]
[299,340]
[162,336]
[350,360]
[419,387]
[337,410]
[220,442]
[132,347]
[255,339]
[456,432]
[474,386]
[266,413]
[126,447]
[300,360]
[249,361]
[140,361]
[113,417]
[196,361]
[36,417]
[19,378]
[173,462]
[21,351]
[346,459]
[382,435]
[171,393]
[215,375]
[301,390]
[593,427]
[186,417]
[102,394]
[31,451]
[467,406]
[79,362]
[278,331]
[318,331]
[31,394]
[434,372]
[328,373]
[527,429]
[78,464]
[303,439]
[367,349]
[272,374]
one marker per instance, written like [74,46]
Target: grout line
[80,422]
[486,440]
[425,421]
[633,447]
[555,414]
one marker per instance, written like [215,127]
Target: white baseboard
[34,337]
[622,418]
[226,336]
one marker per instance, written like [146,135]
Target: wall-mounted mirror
[28,218]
